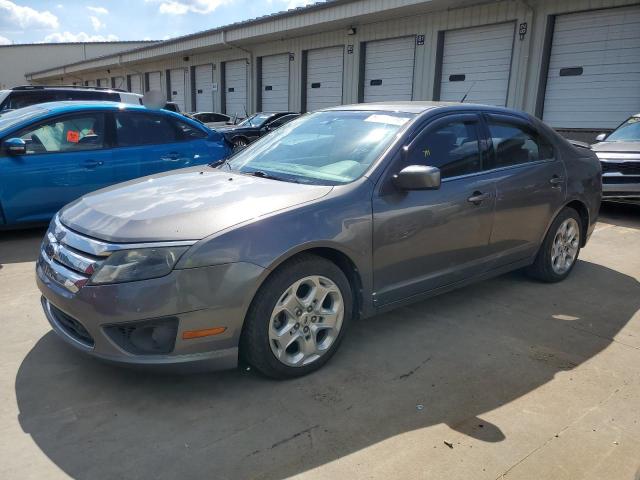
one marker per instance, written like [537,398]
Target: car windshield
[255,120]
[629,131]
[329,148]
[14,117]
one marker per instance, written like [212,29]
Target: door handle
[93,164]
[556,181]
[172,157]
[478,197]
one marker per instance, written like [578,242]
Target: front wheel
[298,318]
[560,248]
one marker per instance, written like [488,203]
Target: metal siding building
[529,55]
[29,57]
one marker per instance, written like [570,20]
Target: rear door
[67,157]
[531,187]
[426,239]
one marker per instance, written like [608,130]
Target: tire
[548,265]
[281,330]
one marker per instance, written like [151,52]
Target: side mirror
[418,177]
[601,137]
[15,146]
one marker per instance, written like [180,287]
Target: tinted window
[89,95]
[189,132]
[514,144]
[452,147]
[218,117]
[24,99]
[69,134]
[143,129]
[282,120]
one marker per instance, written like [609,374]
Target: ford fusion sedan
[619,153]
[340,214]
[53,153]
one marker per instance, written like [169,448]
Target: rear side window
[452,147]
[133,129]
[515,144]
[25,99]
[282,120]
[189,132]
[67,134]
[89,95]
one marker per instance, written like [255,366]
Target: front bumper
[193,299]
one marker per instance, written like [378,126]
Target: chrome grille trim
[60,274]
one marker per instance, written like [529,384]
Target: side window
[69,134]
[90,95]
[515,144]
[133,129]
[28,98]
[188,132]
[217,117]
[452,147]
[282,120]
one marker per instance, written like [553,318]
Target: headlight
[142,264]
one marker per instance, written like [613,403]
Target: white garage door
[91,83]
[275,83]
[594,69]
[136,83]
[178,84]
[477,62]
[103,82]
[155,82]
[204,88]
[388,71]
[324,77]
[235,84]
[118,82]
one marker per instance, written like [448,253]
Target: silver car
[340,214]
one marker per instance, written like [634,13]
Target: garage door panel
[275,83]
[178,87]
[155,82]
[236,87]
[389,63]
[477,62]
[204,88]
[135,83]
[606,44]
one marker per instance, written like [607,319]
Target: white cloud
[5,41]
[96,23]
[26,17]
[98,10]
[60,37]
[298,3]
[180,7]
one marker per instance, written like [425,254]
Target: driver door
[427,239]
[65,158]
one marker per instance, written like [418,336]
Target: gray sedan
[340,214]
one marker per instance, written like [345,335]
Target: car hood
[616,147]
[187,204]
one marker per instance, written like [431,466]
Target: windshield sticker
[73,137]
[388,119]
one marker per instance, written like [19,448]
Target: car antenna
[468,92]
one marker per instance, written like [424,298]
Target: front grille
[624,168]
[72,327]
[620,180]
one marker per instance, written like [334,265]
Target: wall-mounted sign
[522,31]
[349,49]
[419,39]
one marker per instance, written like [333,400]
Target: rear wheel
[298,318]
[560,249]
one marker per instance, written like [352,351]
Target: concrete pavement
[508,378]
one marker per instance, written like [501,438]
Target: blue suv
[53,153]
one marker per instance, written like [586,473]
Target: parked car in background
[619,153]
[255,126]
[53,153]
[212,119]
[342,213]
[27,95]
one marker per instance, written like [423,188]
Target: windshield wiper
[261,174]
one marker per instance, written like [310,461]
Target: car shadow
[620,214]
[17,246]
[448,360]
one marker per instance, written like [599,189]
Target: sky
[47,21]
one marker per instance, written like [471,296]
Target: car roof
[418,107]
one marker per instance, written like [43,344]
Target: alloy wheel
[566,244]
